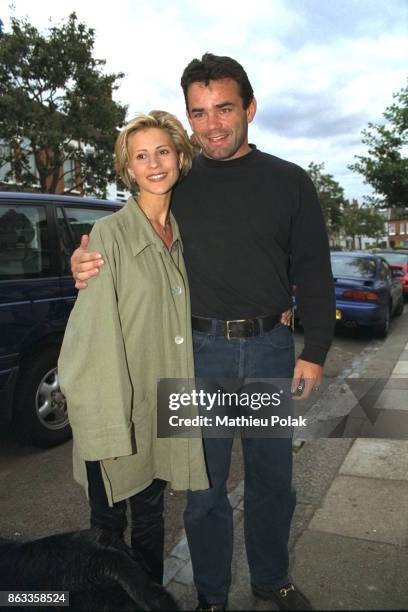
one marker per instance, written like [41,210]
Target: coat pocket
[144,424]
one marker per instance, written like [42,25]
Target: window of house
[391,229]
[4,167]
[402,227]
[31,163]
[24,242]
[69,174]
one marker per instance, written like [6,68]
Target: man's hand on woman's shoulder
[84,264]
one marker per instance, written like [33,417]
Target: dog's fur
[94,566]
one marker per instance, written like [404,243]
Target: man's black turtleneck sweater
[252,227]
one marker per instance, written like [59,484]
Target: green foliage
[331,197]
[342,217]
[385,167]
[56,103]
[362,221]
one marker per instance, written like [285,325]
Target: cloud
[326,22]
[308,116]
[320,70]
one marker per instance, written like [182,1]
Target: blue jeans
[269,500]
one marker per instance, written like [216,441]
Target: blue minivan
[38,233]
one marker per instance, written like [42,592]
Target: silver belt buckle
[229,336]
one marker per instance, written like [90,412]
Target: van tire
[41,417]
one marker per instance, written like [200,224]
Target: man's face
[218,119]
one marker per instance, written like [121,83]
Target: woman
[127,331]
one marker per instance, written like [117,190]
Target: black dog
[95,567]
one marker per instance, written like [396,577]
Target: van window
[81,220]
[24,248]
[73,223]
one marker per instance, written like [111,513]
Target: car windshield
[398,259]
[352,266]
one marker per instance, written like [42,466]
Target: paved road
[38,496]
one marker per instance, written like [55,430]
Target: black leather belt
[238,328]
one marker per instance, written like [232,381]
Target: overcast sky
[320,70]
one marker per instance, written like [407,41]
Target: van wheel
[41,415]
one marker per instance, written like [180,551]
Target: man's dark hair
[213,68]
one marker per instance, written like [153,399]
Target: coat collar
[139,231]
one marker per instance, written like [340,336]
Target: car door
[28,279]
[395,287]
[74,221]
[393,284]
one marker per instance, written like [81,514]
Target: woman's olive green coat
[128,329]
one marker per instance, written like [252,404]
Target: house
[12,178]
[398,228]
[69,180]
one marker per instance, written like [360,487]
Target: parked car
[398,260]
[38,233]
[368,291]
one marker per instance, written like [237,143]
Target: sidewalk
[349,539]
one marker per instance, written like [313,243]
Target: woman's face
[153,161]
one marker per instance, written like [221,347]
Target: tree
[385,167]
[56,108]
[362,221]
[331,196]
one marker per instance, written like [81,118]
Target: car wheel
[381,331]
[41,415]
[400,307]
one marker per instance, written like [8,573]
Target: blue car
[368,291]
[38,233]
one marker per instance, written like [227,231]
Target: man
[251,225]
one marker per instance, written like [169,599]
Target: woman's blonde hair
[155,119]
